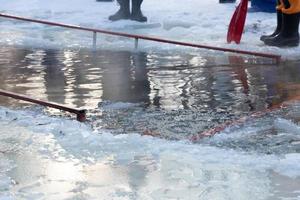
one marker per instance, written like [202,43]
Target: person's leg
[289,34]
[279,23]
[136,13]
[123,12]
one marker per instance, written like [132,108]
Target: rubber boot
[136,13]
[123,12]
[289,34]
[279,23]
[226,1]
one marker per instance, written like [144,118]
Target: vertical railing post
[81,116]
[136,43]
[94,40]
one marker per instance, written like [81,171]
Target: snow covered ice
[203,22]
[50,158]
[43,157]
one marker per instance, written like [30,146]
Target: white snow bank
[63,159]
[203,22]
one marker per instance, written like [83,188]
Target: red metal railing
[215,130]
[81,113]
[149,38]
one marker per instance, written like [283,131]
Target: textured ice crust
[125,166]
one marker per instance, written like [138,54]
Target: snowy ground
[48,158]
[203,22]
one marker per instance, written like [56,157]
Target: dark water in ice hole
[173,95]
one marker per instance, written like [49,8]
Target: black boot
[278,28]
[136,13]
[289,35]
[226,1]
[123,12]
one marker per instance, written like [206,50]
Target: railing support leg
[136,43]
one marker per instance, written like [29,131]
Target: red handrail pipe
[149,38]
[81,113]
[215,130]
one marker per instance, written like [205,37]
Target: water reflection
[82,78]
[55,90]
[125,77]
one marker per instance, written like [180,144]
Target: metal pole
[81,113]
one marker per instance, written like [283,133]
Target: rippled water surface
[173,96]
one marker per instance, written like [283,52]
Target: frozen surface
[43,157]
[203,22]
